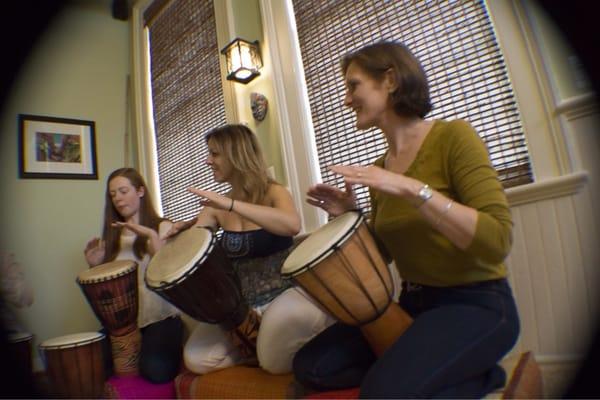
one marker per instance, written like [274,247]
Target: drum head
[73,340]
[321,243]
[179,256]
[106,271]
[17,337]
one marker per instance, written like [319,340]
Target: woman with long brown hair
[131,231]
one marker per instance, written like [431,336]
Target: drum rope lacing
[348,267]
[334,247]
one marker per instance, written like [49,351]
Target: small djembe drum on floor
[112,291]
[19,348]
[75,365]
[340,266]
[193,273]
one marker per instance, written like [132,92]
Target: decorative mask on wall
[259,105]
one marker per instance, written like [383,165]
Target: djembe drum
[19,349]
[193,273]
[340,266]
[112,291]
[75,365]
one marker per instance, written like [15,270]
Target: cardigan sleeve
[373,199]
[476,184]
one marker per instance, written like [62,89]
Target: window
[455,42]
[187,97]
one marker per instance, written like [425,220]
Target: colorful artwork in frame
[56,148]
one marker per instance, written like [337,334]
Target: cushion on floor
[351,393]
[239,382]
[136,387]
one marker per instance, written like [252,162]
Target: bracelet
[444,212]
[231,206]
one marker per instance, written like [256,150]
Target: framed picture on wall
[56,148]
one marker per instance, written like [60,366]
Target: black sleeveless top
[256,243]
[257,257]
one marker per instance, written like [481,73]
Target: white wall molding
[578,107]
[565,185]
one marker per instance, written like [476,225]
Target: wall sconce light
[243,60]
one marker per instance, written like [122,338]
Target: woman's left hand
[212,199]
[154,241]
[138,229]
[371,176]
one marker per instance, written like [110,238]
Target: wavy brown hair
[411,97]
[147,215]
[240,146]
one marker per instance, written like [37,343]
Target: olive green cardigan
[454,161]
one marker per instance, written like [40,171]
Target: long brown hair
[411,97]
[239,145]
[147,216]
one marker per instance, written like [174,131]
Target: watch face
[425,193]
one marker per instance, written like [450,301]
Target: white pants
[288,322]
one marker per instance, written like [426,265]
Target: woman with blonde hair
[259,220]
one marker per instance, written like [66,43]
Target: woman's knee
[197,365]
[275,352]
[282,335]
[202,358]
[276,365]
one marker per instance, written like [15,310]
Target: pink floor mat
[136,387]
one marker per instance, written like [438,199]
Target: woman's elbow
[499,250]
[504,247]
[294,228]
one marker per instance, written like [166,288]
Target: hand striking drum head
[192,272]
[112,291]
[340,266]
[175,259]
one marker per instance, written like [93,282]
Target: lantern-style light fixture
[243,60]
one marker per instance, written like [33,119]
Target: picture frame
[56,148]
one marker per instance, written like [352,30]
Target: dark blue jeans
[451,350]
[162,349]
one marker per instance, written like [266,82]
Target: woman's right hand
[178,227]
[94,251]
[332,199]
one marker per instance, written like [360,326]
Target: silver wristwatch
[424,194]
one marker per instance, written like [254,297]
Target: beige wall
[246,20]
[78,69]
